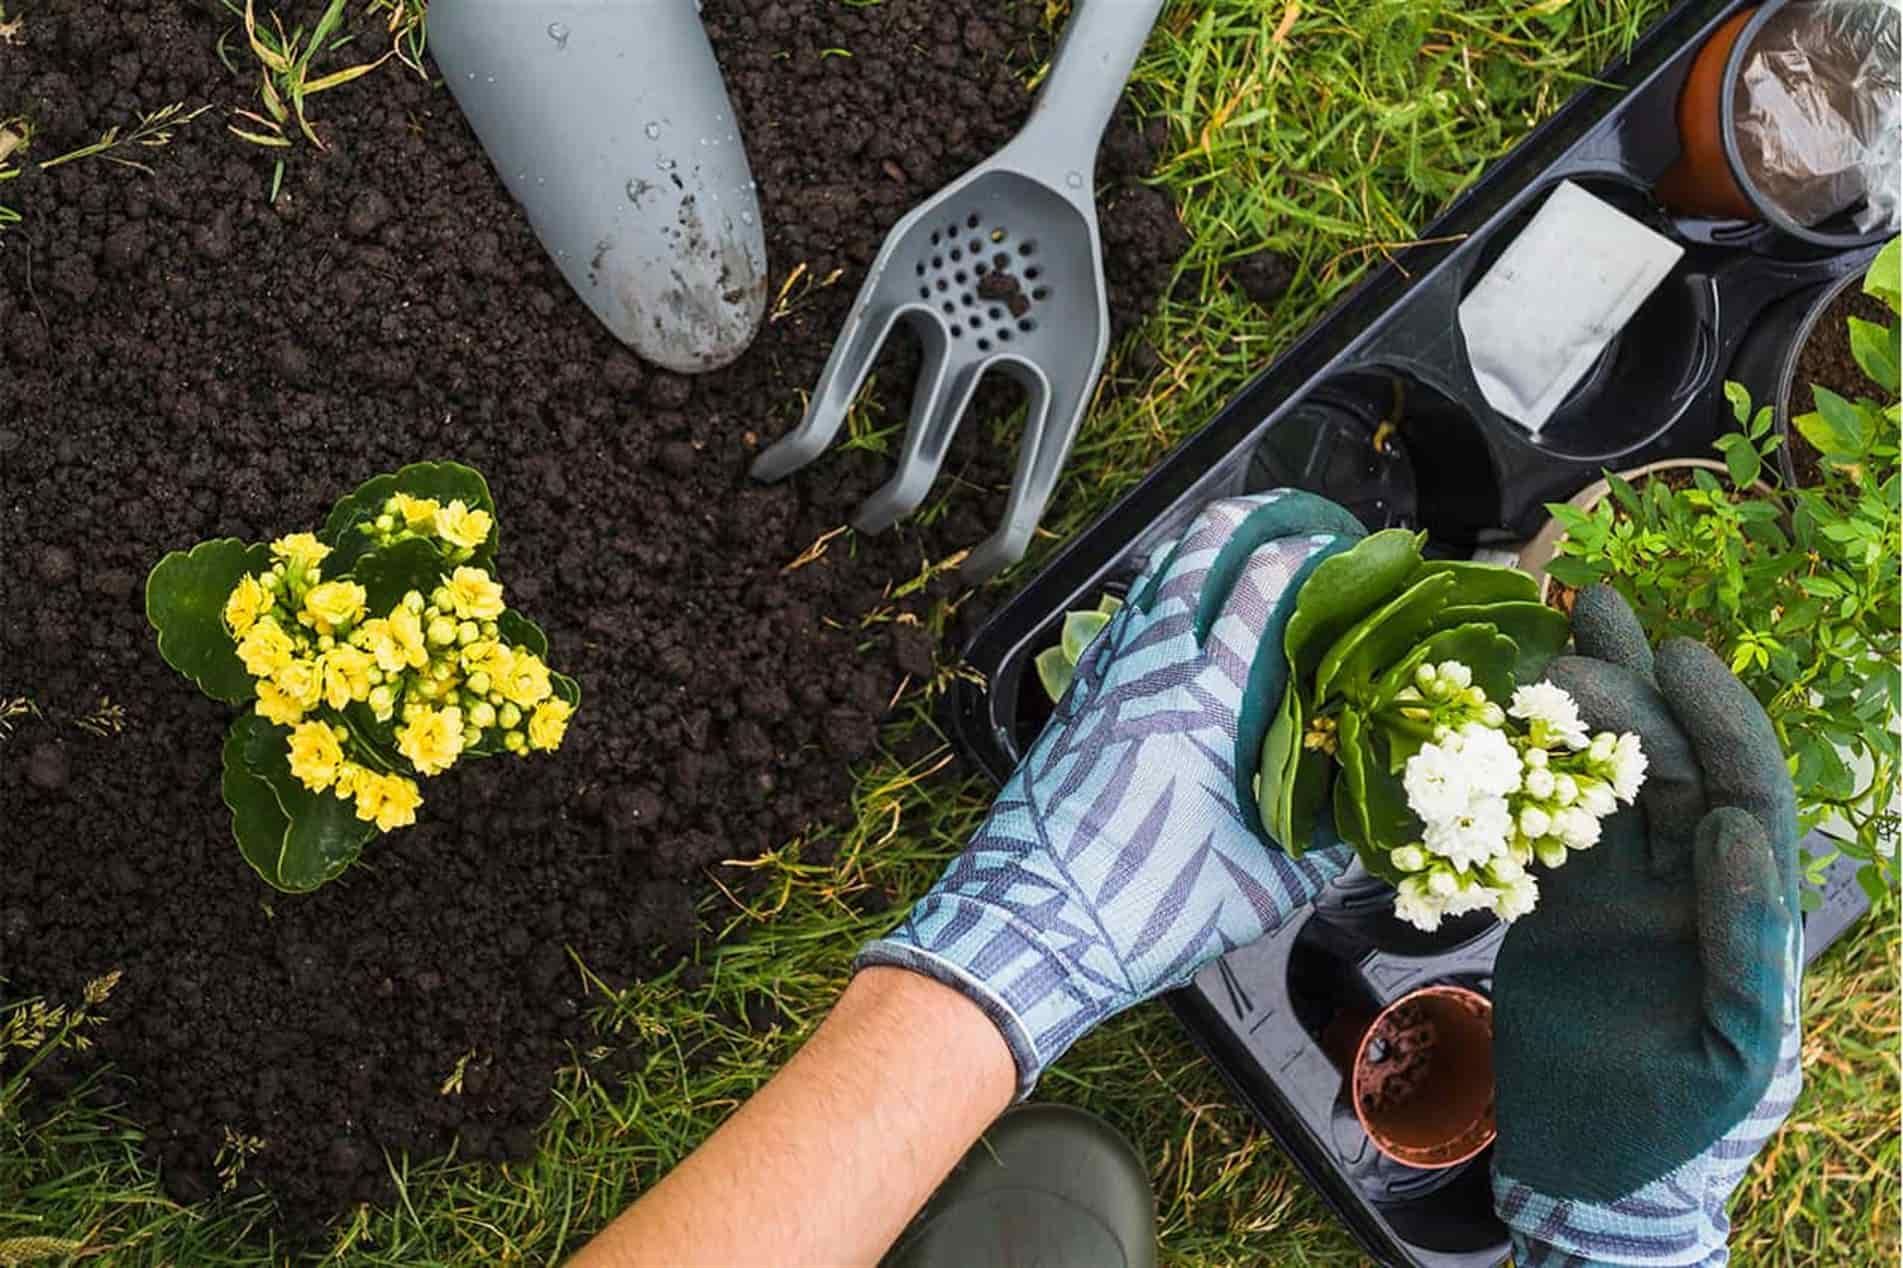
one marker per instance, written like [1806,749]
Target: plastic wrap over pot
[1816,114]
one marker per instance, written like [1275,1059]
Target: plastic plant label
[1558,294]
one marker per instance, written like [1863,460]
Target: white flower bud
[1505,869]
[1441,883]
[1424,677]
[1602,745]
[1539,781]
[1409,858]
[1565,789]
[1493,715]
[1598,800]
[1551,852]
[1534,757]
[1452,671]
[1474,696]
[1535,823]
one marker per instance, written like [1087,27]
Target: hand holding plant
[375,650]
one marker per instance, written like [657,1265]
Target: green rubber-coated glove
[1646,1015]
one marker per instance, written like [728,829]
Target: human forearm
[826,1163]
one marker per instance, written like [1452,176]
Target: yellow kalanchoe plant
[376,651]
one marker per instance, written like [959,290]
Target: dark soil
[1827,360]
[1263,276]
[180,359]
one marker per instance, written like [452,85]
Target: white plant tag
[1556,296]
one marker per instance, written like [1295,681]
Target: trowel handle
[1100,44]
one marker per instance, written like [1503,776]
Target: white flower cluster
[1497,789]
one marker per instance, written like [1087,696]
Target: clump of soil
[1263,276]
[1826,360]
[181,359]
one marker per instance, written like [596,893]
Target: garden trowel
[608,121]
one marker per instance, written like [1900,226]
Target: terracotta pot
[1537,553]
[1701,182]
[1421,1078]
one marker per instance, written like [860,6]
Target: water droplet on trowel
[746,217]
[559,33]
[666,164]
[1074,179]
[653,131]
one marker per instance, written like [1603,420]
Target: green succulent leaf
[1079,629]
[1293,781]
[1343,589]
[443,481]
[518,631]
[389,572]
[1536,631]
[1480,647]
[1110,605]
[1488,583]
[1054,672]
[293,838]
[1370,805]
[185,602]
[1381,637]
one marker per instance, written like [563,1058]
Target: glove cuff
[992,958]
[1666,1224]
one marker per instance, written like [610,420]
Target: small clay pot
[1422,1077]
[1701,182]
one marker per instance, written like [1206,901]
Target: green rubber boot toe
[1049,1186]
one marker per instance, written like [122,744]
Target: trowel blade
[609,123]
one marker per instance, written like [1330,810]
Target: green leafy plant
[1797,589]
[1056,665]
[374,650]
[1400,671]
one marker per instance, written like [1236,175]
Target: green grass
[1331,137]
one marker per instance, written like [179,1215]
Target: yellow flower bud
[549,723]
[514,742]
[479,683]
[509,716]
[442,631]
[315,755]
[246,602]
[482,715]
[413,600]
[382,703]
[467,633]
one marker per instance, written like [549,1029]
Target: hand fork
[1000,270]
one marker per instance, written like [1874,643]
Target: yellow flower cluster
[318,761]
[439,663]
[456,522]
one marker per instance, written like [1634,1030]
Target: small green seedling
[1056,665]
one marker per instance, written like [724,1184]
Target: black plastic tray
[1472,479]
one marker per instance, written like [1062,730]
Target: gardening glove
[1127,850]
[1646,1040]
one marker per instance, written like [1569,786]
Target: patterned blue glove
[1127,850]
[1632,1098]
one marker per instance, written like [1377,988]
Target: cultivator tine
[846,369]
[937,406]
[1050,424]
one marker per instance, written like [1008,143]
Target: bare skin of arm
[824,1166]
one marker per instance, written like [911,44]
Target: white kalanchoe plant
[1498,790]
